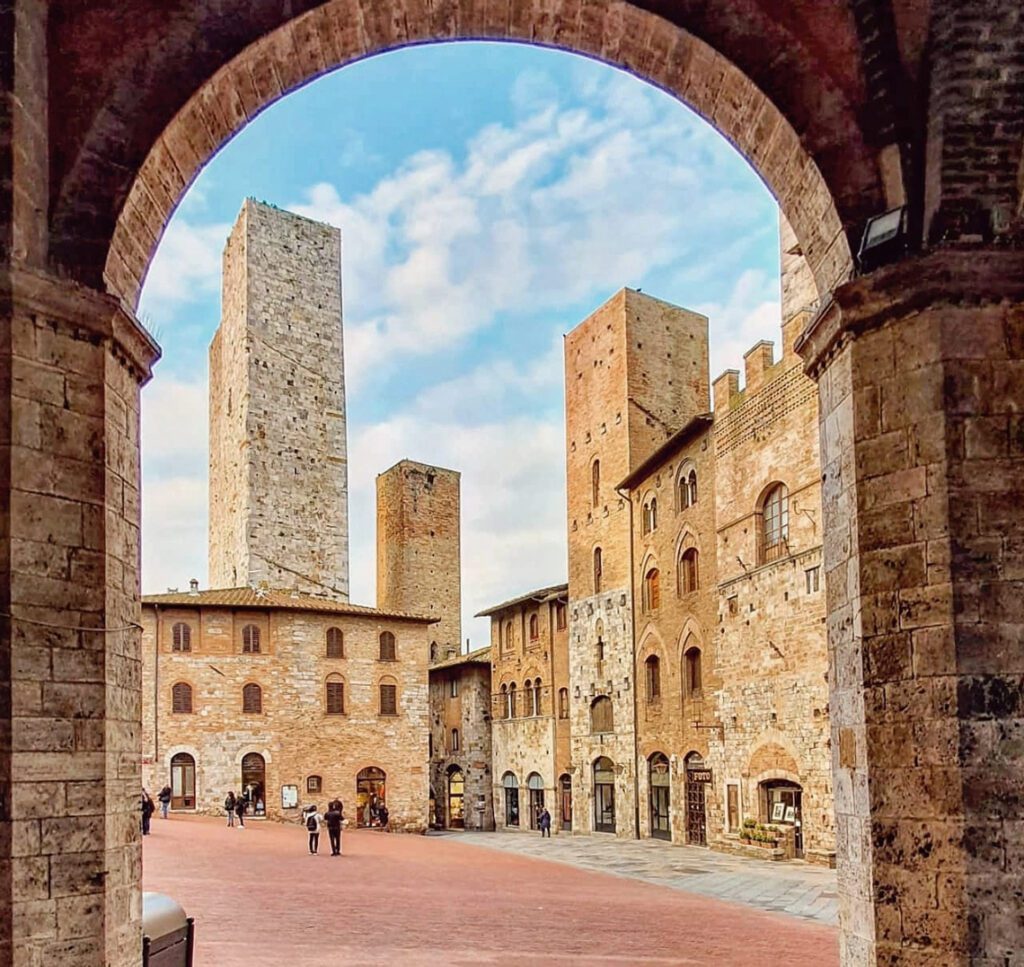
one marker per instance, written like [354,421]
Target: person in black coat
[148,808]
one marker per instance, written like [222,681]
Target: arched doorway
[659,791]
[604,795]
[183,781]
[371,794]
[781,805]
[510,786]
[254,783]
[535,785]
[565,790]
[456,798]
[696,806]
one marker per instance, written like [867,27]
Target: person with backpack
[164,796]
[229,807]
[333,818]
[240,805]
[313,822]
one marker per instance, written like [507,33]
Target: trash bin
[167,934]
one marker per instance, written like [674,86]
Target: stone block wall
[278,450]
[419,567]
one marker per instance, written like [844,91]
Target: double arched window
[532,690]
[387,646]
[335,695]
[252,699]
[689,571]
[774,530]
[335,643]
[181,697]
[251,640]
[649,516]
[181,637]
[601,716]
[652,590]
[686,488]
[652,675]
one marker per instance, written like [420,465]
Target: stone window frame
[250,706]
[187,691]
[334,705]
[181,637]
[388,646]
[772,516]
[334,641]
[387,701]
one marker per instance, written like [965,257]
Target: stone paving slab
[797,889]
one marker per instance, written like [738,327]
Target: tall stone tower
[419,567]
[278,464]
[636,371]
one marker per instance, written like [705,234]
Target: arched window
[433,651]
[534,627]
[388,698]
[652,590]
[563,703]
[504,702]
[604,795]
[252,699]
[774,524]
[335,695]
[691,486]
[511,701]
[181,697]
[652,670]
[533,697]
[649,518]
[598,570]
[508,635]
[387,646]
[511,788]
[335,643]
[251,640]
[601,717]
[181,637]
[595,482]
[689,570]
[693,671]
[455,740]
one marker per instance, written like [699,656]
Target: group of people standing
[236,806]
[333,819]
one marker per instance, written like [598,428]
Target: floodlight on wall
[884,239]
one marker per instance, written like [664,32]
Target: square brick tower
[635,372]
[278,454]
[419,568]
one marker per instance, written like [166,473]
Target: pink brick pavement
[259,898]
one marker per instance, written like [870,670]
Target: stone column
[921,377]
[71,366]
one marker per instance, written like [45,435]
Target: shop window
[510,786]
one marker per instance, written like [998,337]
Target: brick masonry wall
[419,569]
[278,451]
[470,712]
[293,733]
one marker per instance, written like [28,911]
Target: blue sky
[490,196]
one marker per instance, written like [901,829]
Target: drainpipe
[632,634]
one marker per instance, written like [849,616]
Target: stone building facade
[279,473]
[298,698]
[460,742]
[530,750]
[419,568]
[635,370]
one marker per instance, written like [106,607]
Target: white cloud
[186,266]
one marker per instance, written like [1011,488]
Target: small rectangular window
[734,605]
[388,700]
[335,698]
[813,576]
[453,688]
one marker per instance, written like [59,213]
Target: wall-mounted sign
[698,775]
[289,797]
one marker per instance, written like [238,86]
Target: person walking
[382,816]
[229,807]
[164,796]
[240,805]
[544,822]
[333,819]
[148,808]
[313,823]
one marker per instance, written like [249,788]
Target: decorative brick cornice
[948,277]
[101,315]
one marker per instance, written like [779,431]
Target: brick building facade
[530,756]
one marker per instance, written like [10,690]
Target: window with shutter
[388,700]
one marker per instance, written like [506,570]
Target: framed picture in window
[778,812]
[790,814]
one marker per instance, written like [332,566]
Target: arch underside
[342,31]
